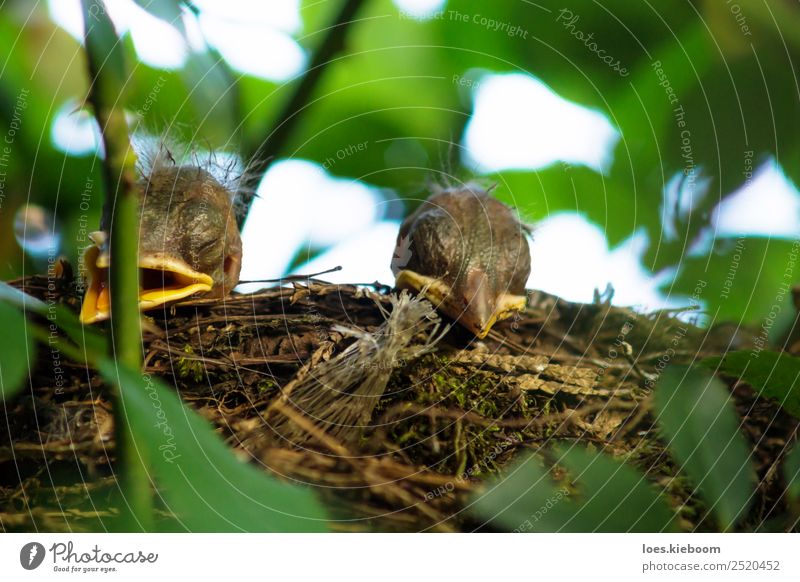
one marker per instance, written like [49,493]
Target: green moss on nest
[190,368]
[265,385]
[451,442]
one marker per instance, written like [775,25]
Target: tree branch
[266,152]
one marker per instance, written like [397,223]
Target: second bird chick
[188,242]
[469,254]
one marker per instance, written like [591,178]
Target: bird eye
[206,245]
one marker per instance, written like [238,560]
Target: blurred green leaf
[22,300]
[93,342]
[791,472]
[615,496]
[697,419]
[197,104]
[772,374]
[607,496]
[570,188]
[688,103]
[744,278]
[37,78]
[200,480]
[560,41]
[386,110]
[524,498]
[88,337]
[17,351]
[214,94]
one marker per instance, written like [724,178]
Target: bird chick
[468,254]
[188,242]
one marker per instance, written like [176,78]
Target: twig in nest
[339,395]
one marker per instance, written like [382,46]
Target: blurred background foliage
[701,97]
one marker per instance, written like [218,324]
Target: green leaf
[741,280]
[198,477]
[20,299]
[615,496]
[606,495]
[386,109]
[572,188]
[524,499]
[16,351]
[791,472]
[214,94]
[92,341]
[697,419]
[89,338]
[772,374]
[549,38]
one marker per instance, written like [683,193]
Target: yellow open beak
[434,290]
[161,280]
[471,317]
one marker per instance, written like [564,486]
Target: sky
[517,123]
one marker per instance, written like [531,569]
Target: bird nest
[448,414]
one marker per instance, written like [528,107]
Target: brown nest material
[451,411]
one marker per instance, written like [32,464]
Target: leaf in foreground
[605,495]
[699,423]
[16,351]
[198,477]
[772,374]
[791,470]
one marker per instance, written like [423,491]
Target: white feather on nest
[339,395]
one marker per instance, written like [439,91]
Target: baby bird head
[468,253]
[189,242]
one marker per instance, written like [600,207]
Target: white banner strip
[390,557]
